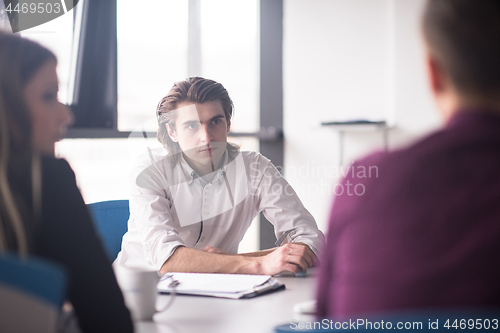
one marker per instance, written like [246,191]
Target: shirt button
[205,213]
[207,200]
[202,239]
[206,206]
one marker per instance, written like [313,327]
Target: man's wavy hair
[191,90]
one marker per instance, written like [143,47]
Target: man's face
[201,131]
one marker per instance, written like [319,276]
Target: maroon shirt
[422,233]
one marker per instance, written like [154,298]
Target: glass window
[230,55]
[151,59]
[152,55]
[102,166]
[57,36]
[4,18]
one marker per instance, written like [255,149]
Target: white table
[256,315]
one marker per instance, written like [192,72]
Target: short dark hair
[463,36]
[194,90]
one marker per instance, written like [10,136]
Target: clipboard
[233,286]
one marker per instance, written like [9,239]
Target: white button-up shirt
[171,206]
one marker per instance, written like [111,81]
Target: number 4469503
[472,324]
[32,8]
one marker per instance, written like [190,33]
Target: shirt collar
[474,117]
[191,175]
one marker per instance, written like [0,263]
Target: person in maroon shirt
[422,229]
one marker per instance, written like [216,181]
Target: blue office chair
[110,220]
[32,292]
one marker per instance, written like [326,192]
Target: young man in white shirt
[192,202]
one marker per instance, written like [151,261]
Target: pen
[174,282]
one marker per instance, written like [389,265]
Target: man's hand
[288,257]
[310,253]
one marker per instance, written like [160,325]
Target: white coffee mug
[139,291]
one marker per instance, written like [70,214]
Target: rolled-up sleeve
[152,224]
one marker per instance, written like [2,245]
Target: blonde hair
[19,61]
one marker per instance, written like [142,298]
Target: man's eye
[192,126]
[216,121]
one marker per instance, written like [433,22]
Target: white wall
[349,59]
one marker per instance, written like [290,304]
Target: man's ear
[442,88]
[171,133]
[228,125]
[436,74]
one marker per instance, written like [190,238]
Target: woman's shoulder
[57,176]
[55,167]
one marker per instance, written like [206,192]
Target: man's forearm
[267,251]
[258,253]
[196,261]
[288,257]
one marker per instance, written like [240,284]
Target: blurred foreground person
[41,210]
[425,233]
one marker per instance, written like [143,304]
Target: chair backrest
[32,292]
[110,219]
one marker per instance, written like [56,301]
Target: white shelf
[356,125]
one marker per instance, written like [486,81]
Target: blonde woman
[41,210]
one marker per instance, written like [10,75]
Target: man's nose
[205,134]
